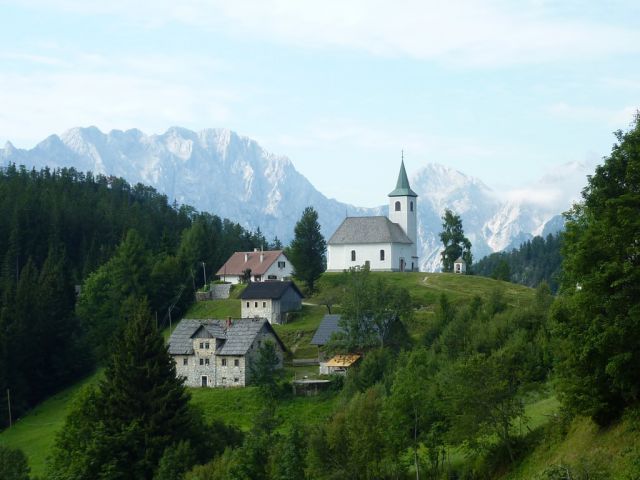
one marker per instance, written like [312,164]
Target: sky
[506,91]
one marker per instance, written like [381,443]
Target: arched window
[353,255]
[397,206]
[411,206]
[382,255]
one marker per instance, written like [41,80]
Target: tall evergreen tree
[139,410]
[455,243]
[307,251]
[598,317]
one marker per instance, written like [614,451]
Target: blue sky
[505,91]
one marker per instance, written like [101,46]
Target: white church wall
[339,256]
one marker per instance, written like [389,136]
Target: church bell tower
[403,206]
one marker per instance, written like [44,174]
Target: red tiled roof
[240,261]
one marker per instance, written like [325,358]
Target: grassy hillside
[584,449]
[34,433]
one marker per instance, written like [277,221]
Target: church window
[397,206]
[411,206]
[353,255]
[382,255]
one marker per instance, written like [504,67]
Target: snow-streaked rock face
[218,171]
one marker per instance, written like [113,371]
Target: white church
[384,244]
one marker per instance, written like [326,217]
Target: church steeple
[402,186]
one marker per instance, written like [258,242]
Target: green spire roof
[402,187]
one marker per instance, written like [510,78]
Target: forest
[62,231]
[535,261]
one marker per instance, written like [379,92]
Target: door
[402,264]
[204,380]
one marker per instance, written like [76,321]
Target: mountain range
[219,171]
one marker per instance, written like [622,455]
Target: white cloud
[468,32]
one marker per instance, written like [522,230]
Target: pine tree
[307,251]
[139,410]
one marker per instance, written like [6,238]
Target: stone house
[270,300]
[219,353]
[264,265]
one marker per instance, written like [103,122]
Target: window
[411,206]
[397,206]
[185,361]
[236,379]
[201,345]
[206,344]
[202,361]
[382,255]
[353,255]
[206,361]
[247,304]
[224,362]
[236,363]
[282,264]
[272,277]
[264,304]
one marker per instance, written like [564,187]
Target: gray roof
[236,338]
[355,230]
[270,289]
[328,326]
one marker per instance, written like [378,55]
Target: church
[387,244]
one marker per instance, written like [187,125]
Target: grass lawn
[35,433]
[218,309]
[297,334]
[240,406]
[425,288]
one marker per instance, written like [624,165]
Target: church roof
[402,187]
[354,230]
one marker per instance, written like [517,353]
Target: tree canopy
[598,317]
[455,244]
[307,251]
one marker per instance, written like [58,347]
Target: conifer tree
[307,251]
[139,409]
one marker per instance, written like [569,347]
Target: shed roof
[240,261]
[237,336]
[354,230]
[343,360]
[270,289]
[328,326]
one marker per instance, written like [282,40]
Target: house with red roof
[264,265]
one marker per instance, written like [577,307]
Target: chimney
[246,257]
[256,250]
[228,322]
[261,257]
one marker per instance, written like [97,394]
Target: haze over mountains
[217,170]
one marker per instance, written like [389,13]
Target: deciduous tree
[455,243]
